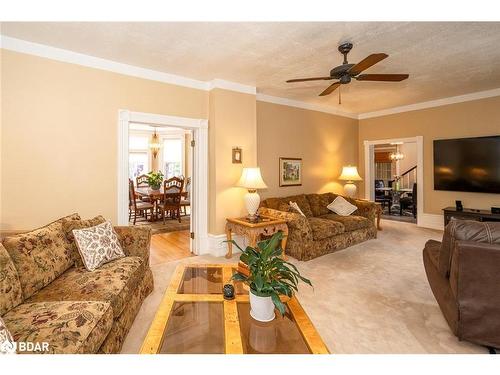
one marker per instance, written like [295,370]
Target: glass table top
[201,280]
[195,328]
[194,318]
[281,336]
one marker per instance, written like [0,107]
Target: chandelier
[397,155]
[155,144]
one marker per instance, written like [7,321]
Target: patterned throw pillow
[295,207]
[6,341]
[98,245]
[341,207]
[68,227]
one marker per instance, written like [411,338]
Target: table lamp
[350,174]
[251,179]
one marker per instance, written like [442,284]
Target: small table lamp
[350,174]
[251,179]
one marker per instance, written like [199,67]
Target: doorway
[176,149]
[394,177]
[167,152]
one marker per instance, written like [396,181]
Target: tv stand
[469,214]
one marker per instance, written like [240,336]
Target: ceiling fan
[345,72]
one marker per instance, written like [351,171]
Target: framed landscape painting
[290,172]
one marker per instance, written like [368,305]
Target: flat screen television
[467,164]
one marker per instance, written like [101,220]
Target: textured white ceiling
[443,59]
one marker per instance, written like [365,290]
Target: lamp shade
[251,179]
[350,173]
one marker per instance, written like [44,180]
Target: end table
[254,229]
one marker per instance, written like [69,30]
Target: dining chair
[172,193]
[186,196]
[382,196]
[142,182]
[135,206]
[409,201]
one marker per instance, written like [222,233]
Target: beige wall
[409,150]
[325,143]
[232,123]
[59,143]
[58,140]
[469,119]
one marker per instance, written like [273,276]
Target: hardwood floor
[167,247]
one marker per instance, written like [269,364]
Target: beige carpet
[370,298]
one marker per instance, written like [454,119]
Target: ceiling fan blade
[366,63]
[309,79]
[330,89]
[382,77]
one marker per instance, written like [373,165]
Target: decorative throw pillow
[7,345]
[294,206]
[68,227]
[98,245]
[341,207]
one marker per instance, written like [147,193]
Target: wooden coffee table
[194,318]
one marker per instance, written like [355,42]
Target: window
[137,164]
[383,171]
[138,157]
[172,157]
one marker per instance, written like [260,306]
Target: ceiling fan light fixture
[346,72]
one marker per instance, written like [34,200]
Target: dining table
[395,195]
[155,197]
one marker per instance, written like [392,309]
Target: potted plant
[268,277]
[155,180]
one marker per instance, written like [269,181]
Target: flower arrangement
[155,179]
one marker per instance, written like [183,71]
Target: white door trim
[199,192]
[370,168]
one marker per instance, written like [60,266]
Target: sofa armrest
[298,225]
[475,279]
[135,241]
[365,208]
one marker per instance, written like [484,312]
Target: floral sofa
[321,231]
[46,295]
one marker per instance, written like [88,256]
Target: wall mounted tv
[467,164]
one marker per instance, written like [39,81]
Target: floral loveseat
[321,231]
[46,295]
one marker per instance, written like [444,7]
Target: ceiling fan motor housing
[341,70]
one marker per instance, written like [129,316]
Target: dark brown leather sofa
[464,275]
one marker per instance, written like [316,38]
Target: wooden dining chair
[142,182]
[135,206]
[186,196]
[172,193]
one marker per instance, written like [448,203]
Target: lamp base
[252,201]
[350,190]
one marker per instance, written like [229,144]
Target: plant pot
[261,308]
[155,187]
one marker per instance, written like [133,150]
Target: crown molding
[232,86]
[54,53]
[304,105]
[432,103]
[59,54]
[71,57]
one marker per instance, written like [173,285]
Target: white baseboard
[215,245]
[431,221]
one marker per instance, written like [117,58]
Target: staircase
[408,178]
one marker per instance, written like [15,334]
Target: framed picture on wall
[290,172]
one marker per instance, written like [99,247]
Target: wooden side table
[253,230]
